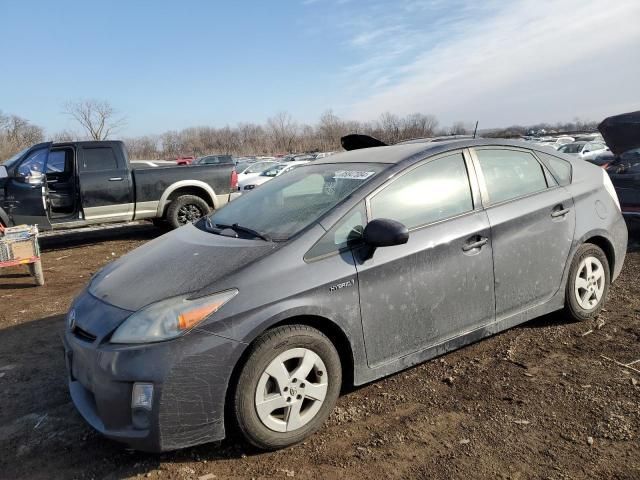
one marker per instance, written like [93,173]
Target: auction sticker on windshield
[353,174]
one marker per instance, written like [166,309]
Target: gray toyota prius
[339,272]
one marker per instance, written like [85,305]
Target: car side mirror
[35,178]
[383,232]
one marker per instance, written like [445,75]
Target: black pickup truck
[65,185]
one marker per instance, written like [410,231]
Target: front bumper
[190,377]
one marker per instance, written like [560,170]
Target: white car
[253,170]
[555,142]
[249,184]
[584,150]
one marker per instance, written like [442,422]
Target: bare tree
[97,117]
[283,131]
[418,125]
[459,128]
[330,129]
[17,133]
[64,136]
[389,126]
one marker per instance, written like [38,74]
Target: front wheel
[588,283]
[288,386]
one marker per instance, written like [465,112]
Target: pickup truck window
[34,163]
[57,161]
[97,159]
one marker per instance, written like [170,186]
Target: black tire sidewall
[266,348]
[572,306]
[179,202]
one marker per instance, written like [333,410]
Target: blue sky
[170,65]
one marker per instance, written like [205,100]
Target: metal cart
[19,246]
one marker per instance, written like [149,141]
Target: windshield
[10,161]
[571,148]
[273,171]
[258,167]
[289,203]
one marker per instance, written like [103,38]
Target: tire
[186,209]
[35,270]
[588,283]
[294,395]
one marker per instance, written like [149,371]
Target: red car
[185,160]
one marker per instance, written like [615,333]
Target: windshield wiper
[251,231]
[238,228]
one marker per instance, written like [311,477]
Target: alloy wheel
[291,390]
[189,214]
[589,283]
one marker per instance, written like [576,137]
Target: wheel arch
[328,327]
[187,187]
[607,247]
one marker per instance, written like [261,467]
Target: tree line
[280,134]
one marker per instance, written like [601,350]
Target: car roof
[394,154]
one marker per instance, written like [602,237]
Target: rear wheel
[186,209]
[287,387]
[588,282]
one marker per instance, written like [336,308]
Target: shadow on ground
[40,426]
[77,238]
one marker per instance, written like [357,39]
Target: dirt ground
[538,401]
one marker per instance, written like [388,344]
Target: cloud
[502,63]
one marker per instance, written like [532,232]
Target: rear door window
[510,174]
[98,159]
[560,169]
[434,191]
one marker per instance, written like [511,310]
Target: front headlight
[169,318]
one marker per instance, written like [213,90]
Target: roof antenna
[475,130]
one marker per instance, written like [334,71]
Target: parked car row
[252,181]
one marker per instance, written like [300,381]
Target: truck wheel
[35,270]
[288,386]
[588,283]
[186,209]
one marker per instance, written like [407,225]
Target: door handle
[115,179]
[561,212]
[475,242]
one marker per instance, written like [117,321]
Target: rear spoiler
[621,132]
[356,141]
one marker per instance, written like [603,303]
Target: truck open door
[26,188]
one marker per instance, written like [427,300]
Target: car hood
[621,132]
[257,180]
[181,262]
[245,176]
